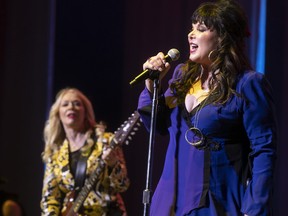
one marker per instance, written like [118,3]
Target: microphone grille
[174,54]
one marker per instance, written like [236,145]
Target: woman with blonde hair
[72,152]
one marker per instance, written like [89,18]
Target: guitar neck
[89,184]
[120,137]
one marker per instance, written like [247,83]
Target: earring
[212,55]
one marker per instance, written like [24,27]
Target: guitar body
[69,207]
[70,212]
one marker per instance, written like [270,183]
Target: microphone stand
[147,191]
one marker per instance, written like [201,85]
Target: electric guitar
[121,135]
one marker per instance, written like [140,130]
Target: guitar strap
[81,167]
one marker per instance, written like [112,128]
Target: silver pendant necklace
[193,134]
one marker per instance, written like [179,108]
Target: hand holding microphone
[157,64]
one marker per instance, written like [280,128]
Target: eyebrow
[76,100]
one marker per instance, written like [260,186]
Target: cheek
[207,47]
[214,41]
[82,114]
[61,114]
[210,41]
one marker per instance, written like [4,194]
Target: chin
[71,124]
[192,58]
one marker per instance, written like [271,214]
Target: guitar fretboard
[88,186]
[120,136]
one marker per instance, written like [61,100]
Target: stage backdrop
[99,47]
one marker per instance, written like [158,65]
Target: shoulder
[250,78]
[255,89]
[59,155]
[105,138]
[177,73]
[63,149]
[108,135]
[179,69]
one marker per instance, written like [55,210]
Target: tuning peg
[132,133]
[135,129]
[126,142]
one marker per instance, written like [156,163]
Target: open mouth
[71,115]
[193,47]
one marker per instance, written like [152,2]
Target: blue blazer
[232,173]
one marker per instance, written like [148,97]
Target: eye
[202,28]
[64,104]
[77,103]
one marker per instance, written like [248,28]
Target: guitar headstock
[128,129]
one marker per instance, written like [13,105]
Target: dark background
[99,47]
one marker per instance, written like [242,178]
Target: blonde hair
[54,133]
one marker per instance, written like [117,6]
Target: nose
[71,105]
[191,35]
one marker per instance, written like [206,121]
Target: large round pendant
[194,136]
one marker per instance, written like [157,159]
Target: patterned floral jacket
[59,182]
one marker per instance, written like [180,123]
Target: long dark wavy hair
[230,23]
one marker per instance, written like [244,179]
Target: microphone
[172,55]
